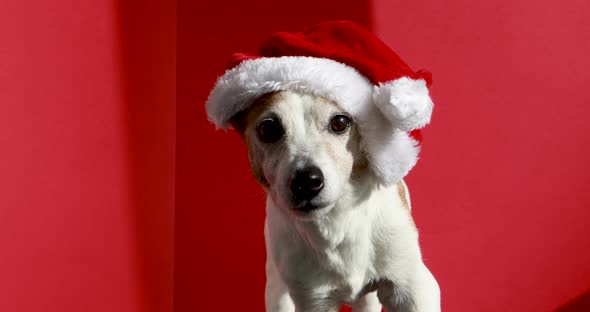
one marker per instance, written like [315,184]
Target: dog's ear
[238,122]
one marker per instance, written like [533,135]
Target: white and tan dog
[334,234]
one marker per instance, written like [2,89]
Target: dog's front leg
[276,296]
[420,294]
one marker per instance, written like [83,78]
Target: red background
[87,155]
[117,195]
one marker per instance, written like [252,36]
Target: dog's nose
[306,183]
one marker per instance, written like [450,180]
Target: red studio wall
[501,192]
[87,155]
[117,195]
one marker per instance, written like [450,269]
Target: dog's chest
[349,269]
[335,262]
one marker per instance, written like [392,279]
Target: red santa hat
[349,65]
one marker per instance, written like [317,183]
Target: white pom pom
[405,102]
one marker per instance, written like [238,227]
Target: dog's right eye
[270,130]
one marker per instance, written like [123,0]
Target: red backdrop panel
[501,192]
[87,129]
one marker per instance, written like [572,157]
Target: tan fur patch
[241,120]
[249,117]
[401,190]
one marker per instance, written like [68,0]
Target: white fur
[303,145]
[341,252]
[362,234]
[381,112]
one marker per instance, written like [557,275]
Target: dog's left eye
[340,123]
[270,130]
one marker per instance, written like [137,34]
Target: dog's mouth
[307,207]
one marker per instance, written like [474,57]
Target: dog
[334,235]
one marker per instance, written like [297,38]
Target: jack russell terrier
[329,131]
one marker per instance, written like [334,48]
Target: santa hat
[349,65]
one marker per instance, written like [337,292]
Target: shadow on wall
[219,208]
[147,42]
[580,303]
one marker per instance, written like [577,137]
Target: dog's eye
[270,130]
[340,123]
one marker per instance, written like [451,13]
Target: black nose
[306,183]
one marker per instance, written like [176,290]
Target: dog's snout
[306,183]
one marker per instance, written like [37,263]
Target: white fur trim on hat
[405,102]
[241,85]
